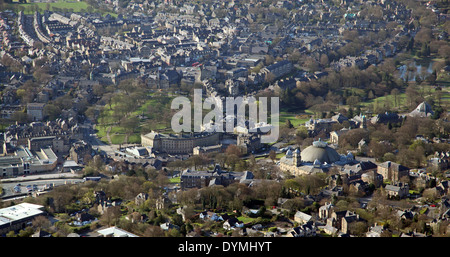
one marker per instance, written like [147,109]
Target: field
[57,5]
[296,119]
[150,116]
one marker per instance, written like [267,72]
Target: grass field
[402,102]
[382,100]
[296,119]
[175,180]
[58,5]
[61,4]
[107,124]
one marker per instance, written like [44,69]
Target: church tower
[297,159]
[363,122]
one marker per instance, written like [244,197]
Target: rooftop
[320,151]
[19,212]
[115,232]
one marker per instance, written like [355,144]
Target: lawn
[175,180]
[381,101]
[245,219]
[402,101]
[296,119]
[152,120]
[59,5]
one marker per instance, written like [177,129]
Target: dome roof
[320,152]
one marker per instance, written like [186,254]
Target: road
[96,143]
[40,180]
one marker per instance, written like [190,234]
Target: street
[42,181]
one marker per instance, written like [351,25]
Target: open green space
[245,219]
[175,180]
[58,5]
[400,101]
[296,119]
[116,127]
[393,101]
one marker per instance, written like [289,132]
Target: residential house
[278,69]
[375,231]
[208,215]
[392,171]
[162,202]
[335,135]
[341,220]
[200,179]
[326,210]
[83,218]
[79,150]
[306,230]
[302,217]
[140,198]
[347,220]
[372,177]
[233,223]
[399,190]
[104,205]
[406,214]
[167,225]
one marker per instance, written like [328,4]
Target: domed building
[320,150]
[316,158]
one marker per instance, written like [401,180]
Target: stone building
[141,198]
[36,111]
[316,158]
[399,190]
[79,150]
[278,69]
[178,143]
[200,179]
[392,171]
[326,210]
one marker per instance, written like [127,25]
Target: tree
[289,124]
[272,155]
[20,116]
[233,150]
[395,92]
[358,228]
[324,61]
[111,215]
[270,77]
[52,111]
[41,222]
[412,95]
[153,231]
[353,101]
[42,74]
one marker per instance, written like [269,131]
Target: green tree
[52,111]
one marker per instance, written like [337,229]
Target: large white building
[16,217]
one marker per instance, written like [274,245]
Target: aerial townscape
[88,147]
